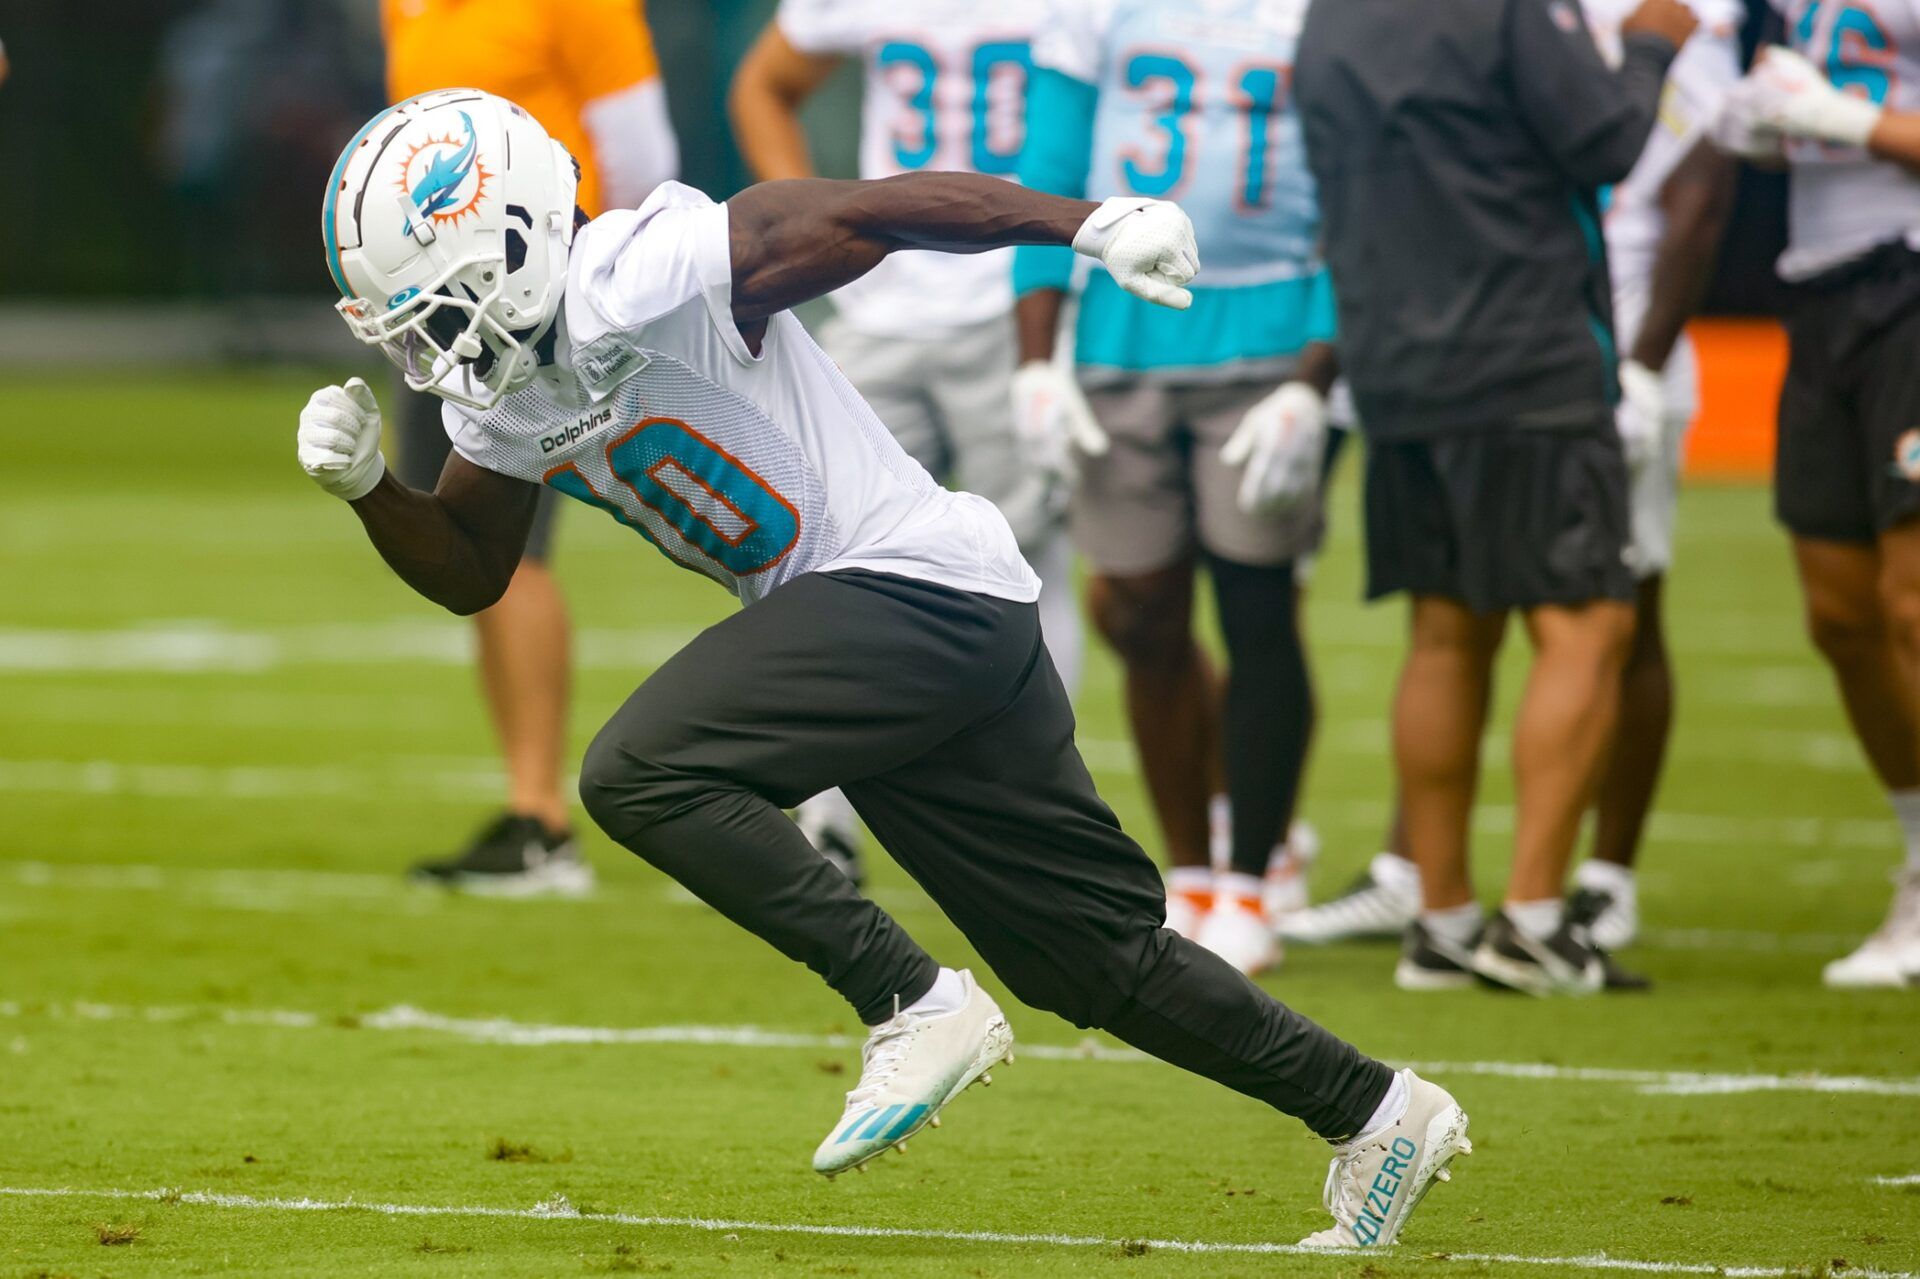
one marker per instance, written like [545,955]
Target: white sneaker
[1891,957]
[910,1068]
[1285,889]
[1236,931]
[1381,903]
[1375,1182]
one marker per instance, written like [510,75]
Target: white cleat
[1375,1183]
[1236,931]
[1891,957]
[910,1068]
[1284,890]
[1186,909]
[1380,904]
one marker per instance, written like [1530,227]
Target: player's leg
[524,660]
[1559,556]
[1269,711]
[969,379]
[1415,534]
[1132,518]
[1002,825]
[1841,489]
[1607,895]
[891,375]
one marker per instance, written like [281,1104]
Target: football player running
[645,363]
[1201,436]
[926,338]
[1843,110]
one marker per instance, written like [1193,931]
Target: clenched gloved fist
[340,440]
[1146,245]
[1051,417]
[1281,442]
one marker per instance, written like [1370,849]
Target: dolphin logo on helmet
[434,194]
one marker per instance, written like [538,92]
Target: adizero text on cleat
[1376,1181]
[911,1067]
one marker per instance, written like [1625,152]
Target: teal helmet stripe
[328,228]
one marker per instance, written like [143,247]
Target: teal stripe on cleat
[846,1134]
[880,1121]
[907,1121]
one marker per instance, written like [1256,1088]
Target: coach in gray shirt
[1459,146]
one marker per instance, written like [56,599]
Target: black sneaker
[1564,964]
[1584,906]
[513,856]
[1428,962]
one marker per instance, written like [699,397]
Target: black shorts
[1848,463]
[1500,519]
[422,446]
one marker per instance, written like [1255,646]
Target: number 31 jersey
[946,88]
[749,469]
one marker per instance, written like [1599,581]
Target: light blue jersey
[1183,100]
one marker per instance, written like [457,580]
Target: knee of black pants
[624,790]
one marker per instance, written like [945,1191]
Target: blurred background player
[1462,226]
[1663,225]
[1845,114]
[1189,100]
[585,69]
[926,337]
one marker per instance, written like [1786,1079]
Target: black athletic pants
[941,717]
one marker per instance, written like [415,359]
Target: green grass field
[232,1041]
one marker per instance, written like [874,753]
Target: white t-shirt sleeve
[643,265]
[823,26]
[1069,37]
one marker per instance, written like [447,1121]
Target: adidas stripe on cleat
[911,1067]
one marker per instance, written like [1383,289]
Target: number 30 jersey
[946,88]
[1842,202]
[749,469]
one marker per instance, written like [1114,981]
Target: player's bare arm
[1786,97]
[773,81]
[797,240]
[458,545]
[1697,200]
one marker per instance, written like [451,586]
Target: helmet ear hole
[516,250]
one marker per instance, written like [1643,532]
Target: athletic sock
[948,995]
[1392,1108]
[1190,881]
[1605,877]
[1537,920]
[1219,831]
[1456,925]
[1233,886]
[1906,807]
[1391,870]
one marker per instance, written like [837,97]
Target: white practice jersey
[946,88]
[1842,202]
[750,470]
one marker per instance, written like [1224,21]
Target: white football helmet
[447,222]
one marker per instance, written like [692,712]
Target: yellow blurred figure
[586,70]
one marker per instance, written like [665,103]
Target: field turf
[233,1041]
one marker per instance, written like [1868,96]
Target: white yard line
[558,1209]
[507,1032]
[1909,1179]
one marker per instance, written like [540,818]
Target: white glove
[1739,126]
[340,440]
[1051,416]
[1281,442]
[1641,415]
[1793,98]
[1146,245]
